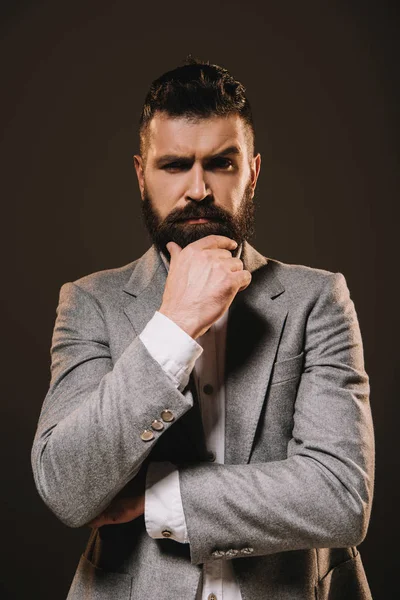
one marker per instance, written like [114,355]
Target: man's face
[198,180]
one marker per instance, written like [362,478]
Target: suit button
[166,533]
[247,550]
[157,425]
[167,415]
[211,456]
[211,597]
[208,389]
[147,435]
[231,553]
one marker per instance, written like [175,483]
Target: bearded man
[208,411]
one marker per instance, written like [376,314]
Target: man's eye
[222,163]
[218,163]
[174,166]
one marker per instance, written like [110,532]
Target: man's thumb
[174,249]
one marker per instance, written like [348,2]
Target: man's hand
[202,281]
[121,510]
[127,505]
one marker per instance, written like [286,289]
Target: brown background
[322,80]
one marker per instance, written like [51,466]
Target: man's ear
[255,170]
[139,167]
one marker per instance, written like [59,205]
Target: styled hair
[196,90]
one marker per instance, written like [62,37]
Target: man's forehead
[183,136]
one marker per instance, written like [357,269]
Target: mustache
[197,212]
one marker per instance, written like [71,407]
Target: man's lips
[195,220]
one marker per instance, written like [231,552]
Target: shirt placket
[210,395]
[209,392]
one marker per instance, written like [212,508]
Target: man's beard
[238,227]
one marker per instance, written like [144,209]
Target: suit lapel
[255,322]
[145,288]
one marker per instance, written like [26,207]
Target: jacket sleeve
[321,494]
[88,441]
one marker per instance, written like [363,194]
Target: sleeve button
[157,425]
[147,435]
[167,415]
[231,553]
[247,550]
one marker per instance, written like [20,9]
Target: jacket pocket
[287,369]
[346,581]
[93,583]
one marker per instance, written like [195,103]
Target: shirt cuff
[163,510]
[174,349]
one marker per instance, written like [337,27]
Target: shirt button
[166,533]
[208,389]
[167,415]
[157,425]
[147,435]
[211,456]
[211,597]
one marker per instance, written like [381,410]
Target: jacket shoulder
[288,272]
[106,281]
[301,280]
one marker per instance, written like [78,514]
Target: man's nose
[197,188]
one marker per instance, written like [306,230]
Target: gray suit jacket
[296,487]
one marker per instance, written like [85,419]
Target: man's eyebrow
[167,158]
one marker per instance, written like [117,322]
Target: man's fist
[202,282]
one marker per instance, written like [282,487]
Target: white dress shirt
[178,354]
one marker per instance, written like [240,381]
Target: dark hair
[196,90]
